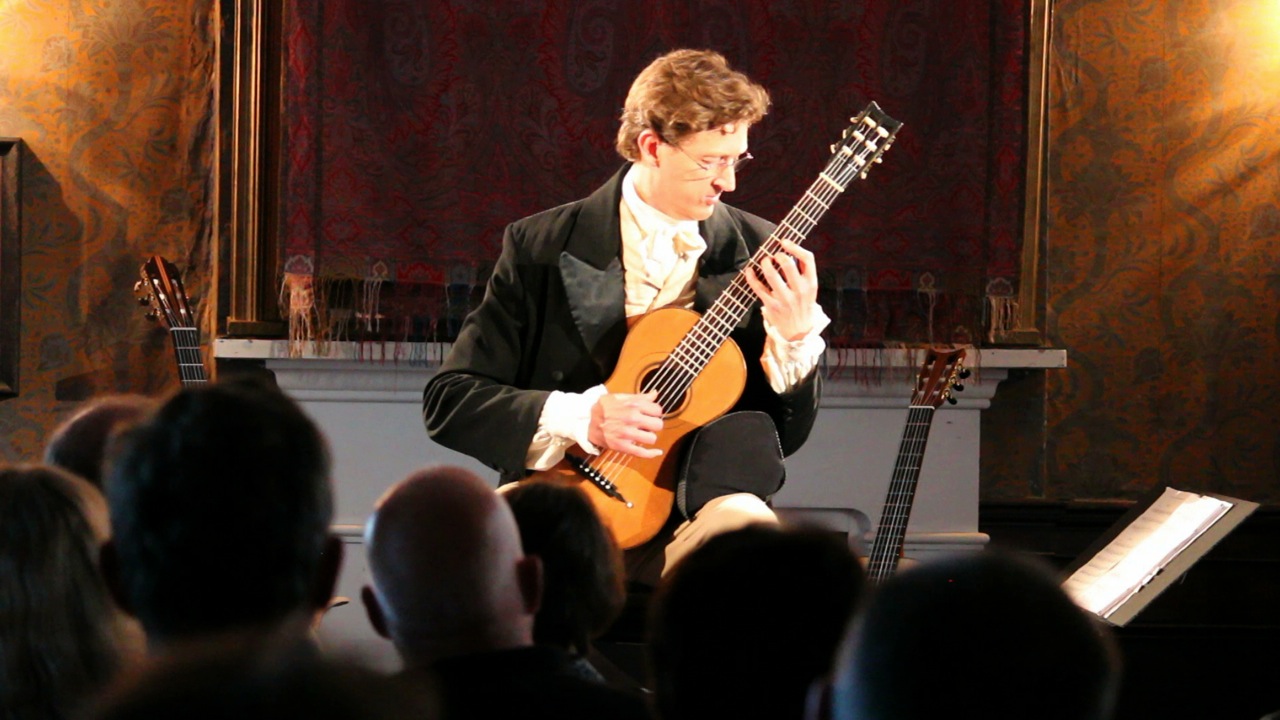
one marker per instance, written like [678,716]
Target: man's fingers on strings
[803,258]
[633,447]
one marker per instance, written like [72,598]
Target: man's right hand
[626,423]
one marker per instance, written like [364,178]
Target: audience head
[220,507]
[745,623]
[988,634]
[449,575]
[685,92]
[582,571]
[266,677]
[60,636]
[80,443]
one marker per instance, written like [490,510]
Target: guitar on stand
[939,376]
[693,365]
[161,290]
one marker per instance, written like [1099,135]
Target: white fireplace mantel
[367,398]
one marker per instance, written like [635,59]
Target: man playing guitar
[525,382]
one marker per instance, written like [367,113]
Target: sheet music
[1141,550]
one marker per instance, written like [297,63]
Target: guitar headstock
[861,144]
[940,376]
[161,290]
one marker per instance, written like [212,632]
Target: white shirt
[660,269]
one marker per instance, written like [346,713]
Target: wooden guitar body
[648,484]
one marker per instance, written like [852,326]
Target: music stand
[1149,512]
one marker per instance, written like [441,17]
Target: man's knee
[729,512]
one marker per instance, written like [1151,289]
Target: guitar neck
[862,144]
[734,303]
[696,349]
[186,349]
[886,548]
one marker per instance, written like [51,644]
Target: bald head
[449,575]
[80,443]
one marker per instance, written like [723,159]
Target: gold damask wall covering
[1163,258]
[113,102]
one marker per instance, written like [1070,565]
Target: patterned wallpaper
[113,101]
[1163,249]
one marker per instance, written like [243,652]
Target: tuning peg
[958,387]
[144,301]
[964,373]
[151,315]
[138,286]
[951,400]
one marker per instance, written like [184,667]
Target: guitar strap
[738,452]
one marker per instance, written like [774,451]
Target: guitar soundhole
[672,390]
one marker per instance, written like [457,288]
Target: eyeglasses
[718,165]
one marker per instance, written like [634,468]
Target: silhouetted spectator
[457,595]
[80,443]
[983,635]
[255,677]
[61,637]
[745,623]
[220,508]
[582,570]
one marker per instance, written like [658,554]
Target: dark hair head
[220,506]
[80,443]
[582,566]
[744,624]
[1027,649]
[59,633]
[685,92]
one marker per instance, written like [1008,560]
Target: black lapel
[591,269]
[727,253]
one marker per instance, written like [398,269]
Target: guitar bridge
[596,478]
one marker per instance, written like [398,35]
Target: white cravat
[659,254]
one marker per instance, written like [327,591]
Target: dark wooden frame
[250,139]
[251,50]
[10,268]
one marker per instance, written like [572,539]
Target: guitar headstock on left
[940,376]
[161,290]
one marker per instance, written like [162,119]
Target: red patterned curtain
[416,130]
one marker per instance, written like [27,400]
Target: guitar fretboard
[886,547]
[186,347]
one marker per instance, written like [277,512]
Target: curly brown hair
[686,92]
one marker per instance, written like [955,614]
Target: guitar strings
[186,348]
[672,380]
[901,494]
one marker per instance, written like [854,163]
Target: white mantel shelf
[367,399]
[388,369]
[429,354]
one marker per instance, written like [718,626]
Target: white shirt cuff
[565,420]
[787,362]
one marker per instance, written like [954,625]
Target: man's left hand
[787,284]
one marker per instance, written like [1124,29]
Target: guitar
[161,289]
[938,378]
[697,371]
